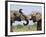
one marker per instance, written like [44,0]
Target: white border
[32,32]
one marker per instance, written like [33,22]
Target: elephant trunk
[27,22]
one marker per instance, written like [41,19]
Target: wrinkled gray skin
[19,18]
[14,18]
[37,18]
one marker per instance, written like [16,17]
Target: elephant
[18,16]
[37,17]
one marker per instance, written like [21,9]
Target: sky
[26,9]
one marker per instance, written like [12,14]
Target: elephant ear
[33,14]
[38,16]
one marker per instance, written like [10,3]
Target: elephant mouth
[34,20]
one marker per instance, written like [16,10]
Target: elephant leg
[39,27]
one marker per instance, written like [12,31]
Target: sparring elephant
[37,17]
[18,16]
